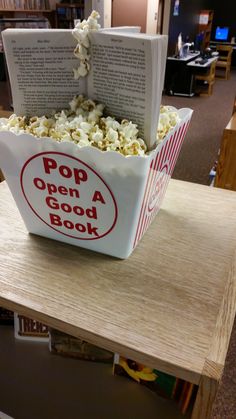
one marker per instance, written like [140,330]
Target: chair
[205,87]
[224,60]
[234,106]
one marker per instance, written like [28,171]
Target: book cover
[63,344]
[30,329]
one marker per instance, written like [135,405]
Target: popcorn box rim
[184,113]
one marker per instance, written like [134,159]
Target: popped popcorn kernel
[81,51]
[168,119]
[84,124]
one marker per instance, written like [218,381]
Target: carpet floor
[211,115]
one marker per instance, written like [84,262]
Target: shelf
[206,27]
[2,11]
[70,388]
[69,5]
[70,13]
[49,14]
[66,19]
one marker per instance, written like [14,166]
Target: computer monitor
[222,33]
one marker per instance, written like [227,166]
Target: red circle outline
[85,164]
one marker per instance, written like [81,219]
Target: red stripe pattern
[160,171]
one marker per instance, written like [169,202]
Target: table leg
[205,398]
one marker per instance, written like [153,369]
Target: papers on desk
[188,57]
[196,63]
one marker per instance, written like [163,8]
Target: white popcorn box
[101,201]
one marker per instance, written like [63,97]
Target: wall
[107,13]
[52,4]
[129,13]
[152,12]
[87,8]
[224,15]
[103,7]
[187,20]
[166,17]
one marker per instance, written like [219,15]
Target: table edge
[103,342]
[215,360]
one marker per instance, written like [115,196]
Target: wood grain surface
[205,398]
[166,306]
[226,168]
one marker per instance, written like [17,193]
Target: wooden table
[171,305]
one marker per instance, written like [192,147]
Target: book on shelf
[6,317]
[165,385]
[19,4]
[30,329]
[25,4]
[63,344]
[126,75]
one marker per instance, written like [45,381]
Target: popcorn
[96,135]
[128,129]
[79,136]
[112,135]
[167,121]
[111,123]
[81,35]
[81,51]
[83,124]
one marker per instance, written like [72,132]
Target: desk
[214,43]
[206,65]
[187,58]
[213,46]
[178,77]
[171,305]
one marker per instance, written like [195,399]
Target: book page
[133,29]
[40,64]
[122,77]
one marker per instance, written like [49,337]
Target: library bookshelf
[27,9]
[68,13]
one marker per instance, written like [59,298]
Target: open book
[127,73]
